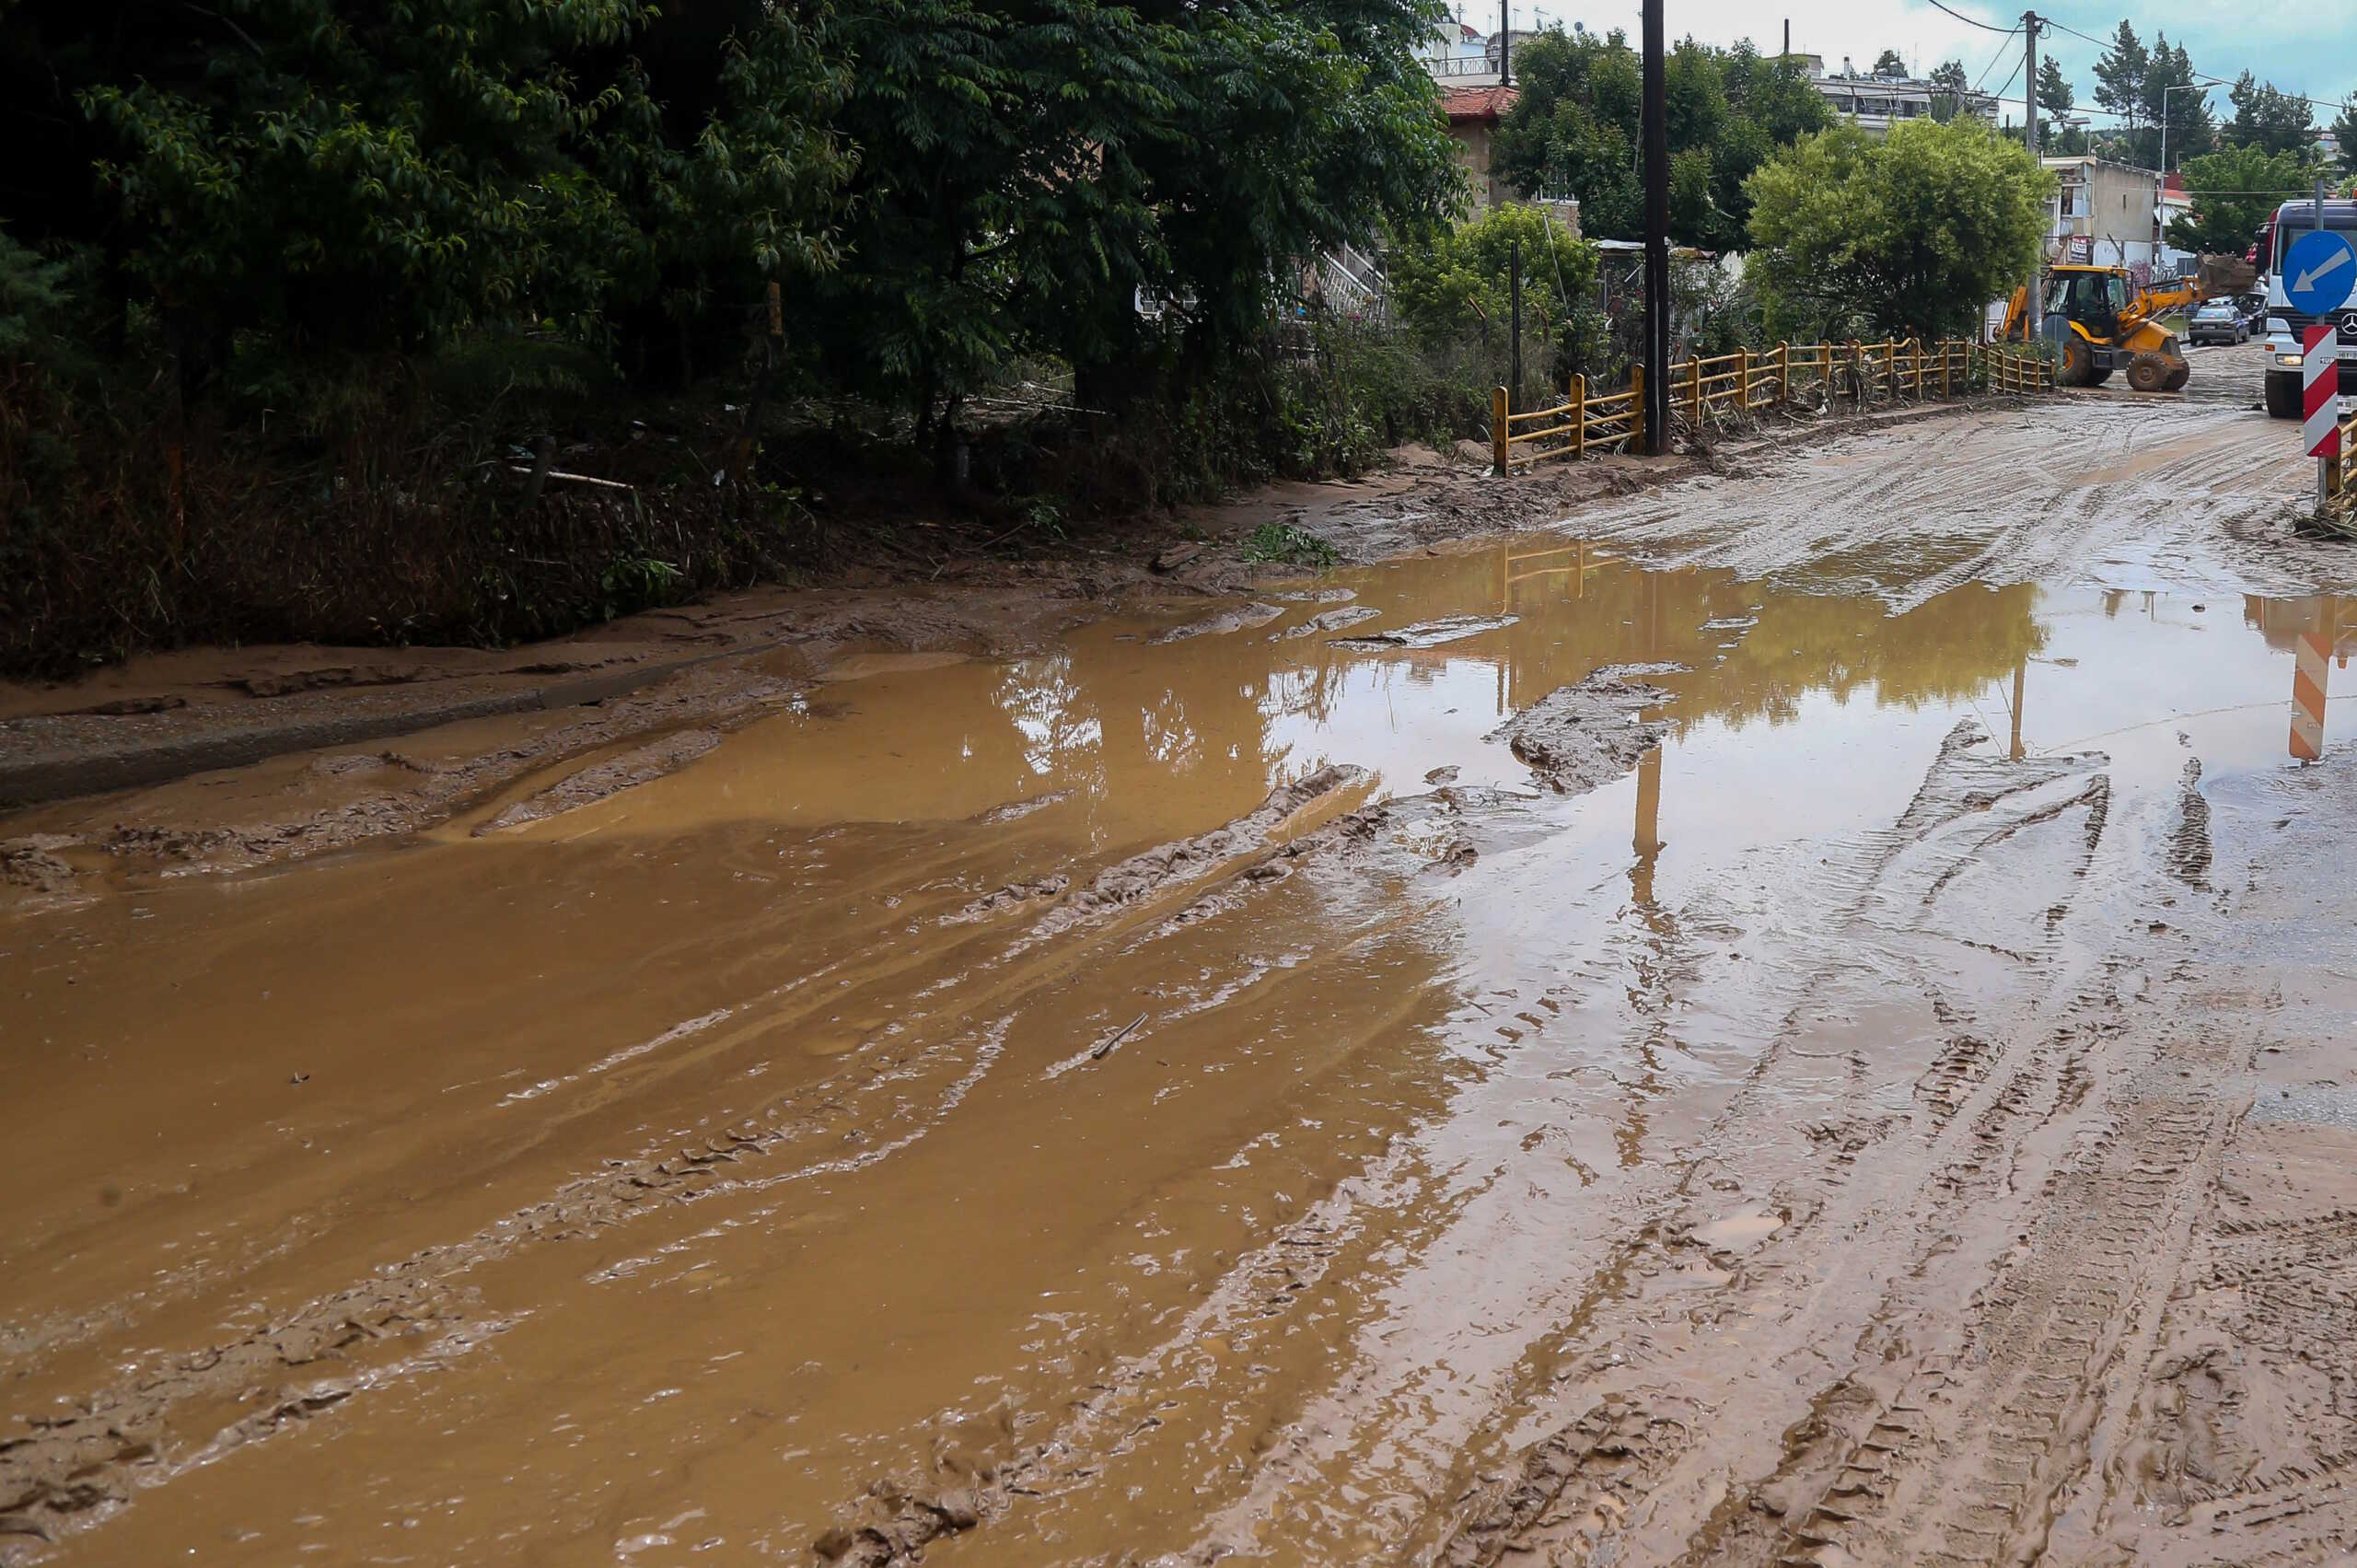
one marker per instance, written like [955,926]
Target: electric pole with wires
[2029,130]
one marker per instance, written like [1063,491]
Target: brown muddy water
[1172,1097]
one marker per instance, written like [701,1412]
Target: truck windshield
[2297,218]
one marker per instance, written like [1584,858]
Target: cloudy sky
[2307,46]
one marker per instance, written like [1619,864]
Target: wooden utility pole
[2030,131]
[1656,139]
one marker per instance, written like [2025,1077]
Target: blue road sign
[2319,270]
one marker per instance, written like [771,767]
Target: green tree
[1028,167]
[1911,234]
[2233,192]
[1890,63]
[1458,279]
[1948,83]
[2271,120]
[2171,98]
[1573,131]
[2344,130]
[328,181]
[2119,76]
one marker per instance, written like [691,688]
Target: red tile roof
[1477,103]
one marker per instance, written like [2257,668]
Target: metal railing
[1895,370]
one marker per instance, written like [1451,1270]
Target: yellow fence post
[1636,410]
[1743,379]
[1784,371]
[1498,429]
[1579,417]
[1694,390]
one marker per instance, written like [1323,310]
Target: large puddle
[660,1178]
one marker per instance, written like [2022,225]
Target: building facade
[2103,213]
[1878,102]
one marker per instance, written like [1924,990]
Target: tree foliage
[2150,89]
[1909,234]
[2233,193]
[2267,120]
[1574,131]
[938,186]
[2344,130]
[1460,279]
[1890,63]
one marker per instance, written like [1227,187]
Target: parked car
[2253,308]
[2219,321]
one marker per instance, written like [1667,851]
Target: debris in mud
[1178,556]
[30,862]
[1441,777]
[1315,595]
[602,781]
[295,680]
[1140,876]
[1579,736]
[1241,619]
[1008,897]
[126,707]
[1015,810]
[1105,1047]
[898,1523]
[1333,619]
[1428,634]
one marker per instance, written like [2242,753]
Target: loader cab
[2092,297]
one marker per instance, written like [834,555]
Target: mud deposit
[1600,1064]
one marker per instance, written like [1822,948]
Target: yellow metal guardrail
[1749,380]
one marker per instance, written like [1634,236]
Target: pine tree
[2119,76]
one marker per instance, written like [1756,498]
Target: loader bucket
[2226,275]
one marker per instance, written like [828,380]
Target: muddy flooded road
[1826,1082]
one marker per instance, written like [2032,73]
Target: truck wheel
[2177,377]
[2283,396]
[2098,377]
[2149,373]
[2078,367]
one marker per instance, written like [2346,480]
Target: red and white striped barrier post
[2320,401]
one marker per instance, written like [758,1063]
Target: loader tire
[2078,364]
[2149,373]
[2177,377]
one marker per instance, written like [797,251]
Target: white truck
[2287,323]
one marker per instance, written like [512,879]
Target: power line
[1975,21]
[2002,48]
[2016,71]
[2058,27]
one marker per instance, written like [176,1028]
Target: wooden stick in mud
[1105,1047]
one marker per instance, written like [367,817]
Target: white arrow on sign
[2308,280]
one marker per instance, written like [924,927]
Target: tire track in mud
[69,1471]
[1582,1492]
[2048,493]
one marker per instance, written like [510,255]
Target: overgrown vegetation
[297,298]
[1574,131]
[1909,234]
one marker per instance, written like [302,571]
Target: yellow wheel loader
[2099,321]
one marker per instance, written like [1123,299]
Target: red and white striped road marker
[2314,653]
[2320,391]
